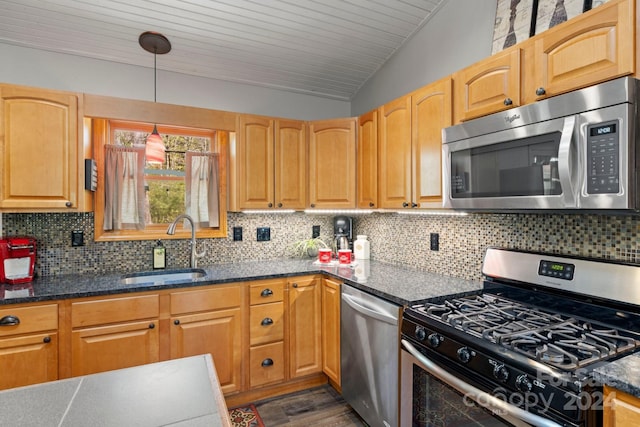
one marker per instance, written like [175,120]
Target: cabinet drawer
[114,310]
[266,364]
[265,292]
[206,300]
[267,323]
[31,319]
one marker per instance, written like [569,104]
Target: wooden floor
[321,406]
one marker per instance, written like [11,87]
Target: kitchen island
[177,392]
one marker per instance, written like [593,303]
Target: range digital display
[558,270]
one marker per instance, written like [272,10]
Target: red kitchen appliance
[18,255]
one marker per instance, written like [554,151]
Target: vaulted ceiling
[326,48]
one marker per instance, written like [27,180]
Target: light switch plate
[77,238]
[264,234]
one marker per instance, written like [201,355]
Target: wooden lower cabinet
[28,345]
[305,345]
[620,409]
[331,329]
[114,333]
[217,330]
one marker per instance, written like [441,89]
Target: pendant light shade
[157,44]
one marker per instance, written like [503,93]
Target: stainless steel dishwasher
[369,354]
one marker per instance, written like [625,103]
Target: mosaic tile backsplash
[395,238]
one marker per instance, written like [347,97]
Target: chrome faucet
[194,253]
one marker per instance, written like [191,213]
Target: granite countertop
[621,374]
[401,285]
[177,392]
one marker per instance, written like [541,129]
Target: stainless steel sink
[162,277]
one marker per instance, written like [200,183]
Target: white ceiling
[326,48]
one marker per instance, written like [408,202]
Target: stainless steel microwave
[576,151]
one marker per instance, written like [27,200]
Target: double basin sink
[163,277]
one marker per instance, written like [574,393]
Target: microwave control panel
[603,158]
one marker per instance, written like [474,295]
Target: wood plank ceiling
[325,48]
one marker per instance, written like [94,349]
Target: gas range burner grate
[554,339]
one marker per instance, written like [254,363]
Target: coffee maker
[342,233]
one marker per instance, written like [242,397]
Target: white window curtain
[124,187]
[202,198]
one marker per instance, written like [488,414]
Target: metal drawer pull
[266,293]
[267,321]
[10,321]
[267,362]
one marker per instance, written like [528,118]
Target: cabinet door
[39,131]
[332,163]
[28,360]
[290,164]
[394,154]
[487,86]
[431,112]
[620,409]
[105,348]
[589,49]
[331,329]
[305,346]
[255,177]
[367,161]
[215,332]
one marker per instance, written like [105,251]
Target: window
[164,185]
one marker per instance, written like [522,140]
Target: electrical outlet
[237,234]
[264,234]
[315,231]
[77,238]
[434,241]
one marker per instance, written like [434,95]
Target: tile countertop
[185,392]
[621,374]
[401,285]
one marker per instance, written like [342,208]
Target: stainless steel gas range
[521,351]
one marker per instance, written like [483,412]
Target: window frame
[102,133]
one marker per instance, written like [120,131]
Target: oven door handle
[480,397]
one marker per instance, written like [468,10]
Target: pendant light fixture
[157,44]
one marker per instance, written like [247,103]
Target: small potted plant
[308,247]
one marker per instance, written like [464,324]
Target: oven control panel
[557,270]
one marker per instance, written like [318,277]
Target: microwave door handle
[480,397]
[565,171]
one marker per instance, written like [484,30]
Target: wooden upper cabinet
[367,161]
[410,147]
[488,86]
[270,164]
[290,164]
[394,153]
[332,163]
[41,148]
[430,113]
[591,48]
[255,164]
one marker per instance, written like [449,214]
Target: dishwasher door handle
[355,303]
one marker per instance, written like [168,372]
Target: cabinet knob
[69,204]
[540,91]
[46,340]
[176,322]
[508,101]
[266,293]
[295,285]
[267,362]
[152,325]
[371,204]
[10,321]
[270,205]
[414,205]
[267,321]
[405,205]
[279,205]
[313,205]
